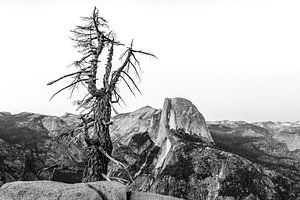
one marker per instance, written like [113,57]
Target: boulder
[149,196]
[49,190]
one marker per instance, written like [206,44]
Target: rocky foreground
[170,151]
[49,190]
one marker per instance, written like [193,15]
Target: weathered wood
[91,39]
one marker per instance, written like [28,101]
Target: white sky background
[234,59]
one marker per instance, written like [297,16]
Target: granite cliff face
[188,165]
[196,170]
[177,113]
[126,125]
[170,151]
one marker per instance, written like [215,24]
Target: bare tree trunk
[97,162]
[91,39]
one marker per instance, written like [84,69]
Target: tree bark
[97,162]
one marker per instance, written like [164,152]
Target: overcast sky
[234,59]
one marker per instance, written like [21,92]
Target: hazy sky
[234,59]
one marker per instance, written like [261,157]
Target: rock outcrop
[127,125]
[149,196]
[179,113]
[49,190]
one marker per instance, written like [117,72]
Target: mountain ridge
[183,164]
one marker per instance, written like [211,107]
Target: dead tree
[93,40]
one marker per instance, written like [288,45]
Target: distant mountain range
[171,151]
[275,145]
[286,132]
